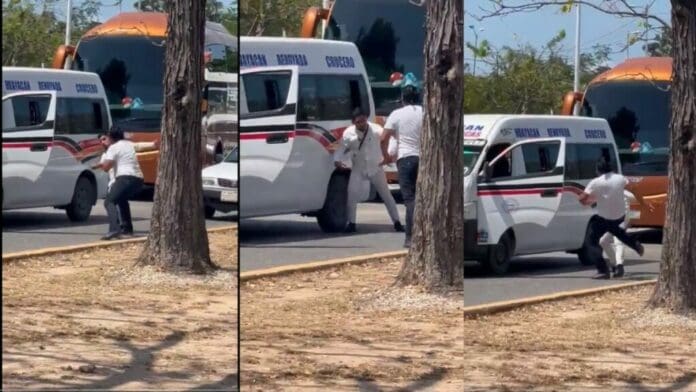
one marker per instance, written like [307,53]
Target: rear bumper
[211,198]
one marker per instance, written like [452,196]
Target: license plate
[634,214]
[230,196]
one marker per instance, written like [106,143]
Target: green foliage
[526,79]
[30,33]
[660,45]
[272,18]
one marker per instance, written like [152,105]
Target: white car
[220,189]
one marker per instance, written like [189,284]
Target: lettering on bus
[527,132]
[253,60]
[86,88]
[292,59]
[595,134]
[50,85]
[340,62]
[473,130]
[17,85]
[558,132]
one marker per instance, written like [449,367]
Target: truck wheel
[333,217]
[499,255]
[84,197]
[209,212]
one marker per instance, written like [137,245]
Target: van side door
[28,127]
[525,192]
[268,103]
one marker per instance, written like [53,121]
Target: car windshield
[232,157]
[471,154]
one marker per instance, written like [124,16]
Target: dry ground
[91,320]
[346,329]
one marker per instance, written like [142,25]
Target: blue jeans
[116,203]
[408,174]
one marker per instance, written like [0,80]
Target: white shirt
[122,153]
[407,123]
[365,159]
[138,147]
[608,190]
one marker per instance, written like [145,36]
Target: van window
[266,90]
[581,160]
[502,167]
[540,157]
[81,116]
[331,97]
[28,111]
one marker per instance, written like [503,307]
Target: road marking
[92,245]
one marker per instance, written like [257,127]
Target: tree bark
[435,259]
[178,238]
[676,284]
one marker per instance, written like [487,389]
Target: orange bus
[127,52]
[634,97]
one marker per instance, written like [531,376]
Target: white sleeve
[110,154]
[344,144]
[392,122]
[590,188]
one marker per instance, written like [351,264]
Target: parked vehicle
[220,185]
[523,175]
[51,120]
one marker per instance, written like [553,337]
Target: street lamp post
[68,12]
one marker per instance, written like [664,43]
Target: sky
[539,27]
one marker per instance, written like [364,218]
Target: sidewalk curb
[10,257]
[316,265]
[505,306]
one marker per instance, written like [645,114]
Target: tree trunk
[435,259]
[676,285]
[178,238]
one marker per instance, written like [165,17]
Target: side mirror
[569,100]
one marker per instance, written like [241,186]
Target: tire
[209,212]
[84,197]
[584,255]
[497,261]
[333,217]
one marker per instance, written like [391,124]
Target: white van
[50,123]
[523,175]
[220,120]
[296,99]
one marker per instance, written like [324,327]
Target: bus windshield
[131,69]
[638,112]
[389,35]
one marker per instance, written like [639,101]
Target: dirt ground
[347,329]
[92,320]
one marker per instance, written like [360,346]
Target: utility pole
[576,76]
[68,12]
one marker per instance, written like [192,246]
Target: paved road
[291,239]
[47,227]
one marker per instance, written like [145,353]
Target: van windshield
[471,154]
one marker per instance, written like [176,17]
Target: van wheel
[333,217]
[584,254]
[209,212]
[84,197]
[499,255]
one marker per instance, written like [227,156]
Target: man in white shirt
[359,151]
[607,191]
[405,124]
[120,156]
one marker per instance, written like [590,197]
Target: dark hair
[603,165]
[409,95]
[357,112]
[116,133]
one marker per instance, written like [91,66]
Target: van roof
[309,54]
[16,79]
[517,127]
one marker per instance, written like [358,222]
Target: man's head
[409,95]
[603,166]
[359,119]
[112,136]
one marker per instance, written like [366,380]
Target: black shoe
[613,269]
[111,236]
[127,233]
[350,228]
[641,249]
[602,275]
[398,227]
[619,271]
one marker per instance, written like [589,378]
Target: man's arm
[105,164]
[585,199]
[145,146]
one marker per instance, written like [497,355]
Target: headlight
[470,210]
[209,181]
